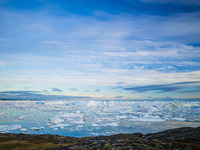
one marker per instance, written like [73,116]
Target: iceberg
[177,119]
[71,115]
[114,124]
[55,120]
[81,118]
[59,125]
[21,118]
[35,129]
[23,129]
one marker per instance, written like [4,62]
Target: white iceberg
[59,125]
[23,129]
[35,129]
[21,118]
[71,115]
[55,120]
[177,119]
[114,124]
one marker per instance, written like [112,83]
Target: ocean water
[95,118]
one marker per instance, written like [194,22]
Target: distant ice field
[94,118]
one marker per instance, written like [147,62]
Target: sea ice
[71,115]
[180,104]
[93,116]
[23,129]
[114,124]
[55,120]
[59,125]
[95,125]
[35,129]
[78,122]
[21,118]
[92,104]
[177,119]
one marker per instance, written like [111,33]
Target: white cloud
[109,78]
[2,64]
[102,34]
[78,50]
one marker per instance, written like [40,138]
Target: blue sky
[102,49]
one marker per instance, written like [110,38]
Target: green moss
[135,137]
[136,144]
[25,145]
[73,143]
[158,145]
[107,146]
[140,144]
[145,145]
[95,143]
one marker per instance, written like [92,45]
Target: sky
[99,49]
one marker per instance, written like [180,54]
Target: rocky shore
[174,139]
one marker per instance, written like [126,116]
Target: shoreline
[179,138]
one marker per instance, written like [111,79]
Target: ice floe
[114,124]
[55,120]
[177,119]
[21,118]
[23,129]
[181,104]
[88,117]
[36,128]
[59,125]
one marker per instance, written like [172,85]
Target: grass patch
[158,145]
[107,146]
[25,145]
[140,144]
[95,143]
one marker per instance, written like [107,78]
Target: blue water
[94,118]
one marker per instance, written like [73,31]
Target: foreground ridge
[185,138]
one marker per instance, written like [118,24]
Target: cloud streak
[56,90]
[56,47]
[162,88]
[35,95]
